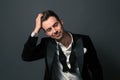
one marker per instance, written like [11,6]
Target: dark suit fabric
[91,68]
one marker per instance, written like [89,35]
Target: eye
[56,24]
[48,30]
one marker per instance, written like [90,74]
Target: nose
[54,30]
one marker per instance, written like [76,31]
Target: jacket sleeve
[32,51]
[92,60]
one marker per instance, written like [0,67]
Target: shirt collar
[58,43]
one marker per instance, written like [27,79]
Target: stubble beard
[62,36]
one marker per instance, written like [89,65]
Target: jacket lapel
[78,49]
[51,50]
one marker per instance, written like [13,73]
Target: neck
[66,39]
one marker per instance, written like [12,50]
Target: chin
[58,38]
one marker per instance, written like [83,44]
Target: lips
[57,35]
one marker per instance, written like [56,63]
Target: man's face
[53,28]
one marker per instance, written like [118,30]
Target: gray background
[100,19]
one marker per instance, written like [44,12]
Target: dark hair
[47,14]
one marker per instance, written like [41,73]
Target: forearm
[29,49]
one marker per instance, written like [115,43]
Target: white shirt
[67,52]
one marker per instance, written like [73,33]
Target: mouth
[58,34]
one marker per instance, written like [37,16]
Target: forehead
[49,22]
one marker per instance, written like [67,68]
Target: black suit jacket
[88,62]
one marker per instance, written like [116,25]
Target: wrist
[34,34]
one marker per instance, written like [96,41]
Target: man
[67,56]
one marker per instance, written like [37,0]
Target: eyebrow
[50,26]
[55,23]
